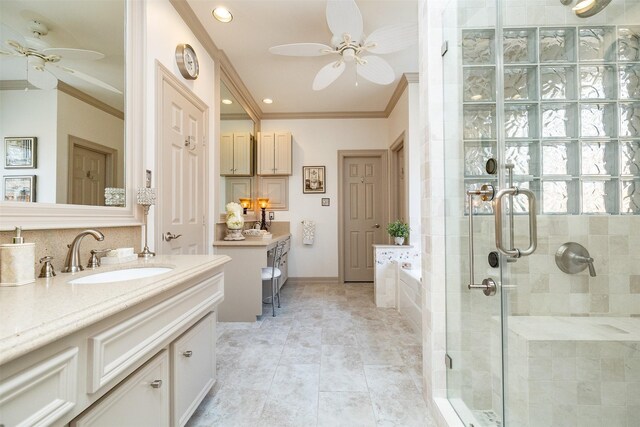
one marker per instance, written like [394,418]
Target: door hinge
[445,48]
[448,361]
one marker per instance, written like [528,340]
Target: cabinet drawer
[139,401]
[42,393]
[193,368]
[116,349]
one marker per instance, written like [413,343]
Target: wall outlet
[272,216]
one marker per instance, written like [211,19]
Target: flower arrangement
[398,228]
[235,221]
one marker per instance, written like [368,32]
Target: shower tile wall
[571,114]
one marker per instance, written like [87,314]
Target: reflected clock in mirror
[62,81]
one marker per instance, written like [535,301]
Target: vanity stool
[273,273]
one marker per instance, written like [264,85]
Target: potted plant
[399,230]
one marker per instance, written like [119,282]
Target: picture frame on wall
[20,188]
[20,152]
[313,180]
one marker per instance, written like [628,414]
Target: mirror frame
[35,216]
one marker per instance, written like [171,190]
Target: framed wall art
[313,179]
[19,188]
[20,152]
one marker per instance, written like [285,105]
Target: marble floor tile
[329,358]
[345,409]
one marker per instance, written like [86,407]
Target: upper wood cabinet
[274,153]
[236,154]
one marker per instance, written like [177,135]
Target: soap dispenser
[17,260]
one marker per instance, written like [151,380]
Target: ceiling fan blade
[88,78]
[302,49]
[344,17]
[41,78]
[328,74]
[74,54]
[376,70]
[392,38]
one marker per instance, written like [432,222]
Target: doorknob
[168,236]
[376,226]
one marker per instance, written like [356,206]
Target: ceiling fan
[43,62]
[348,42]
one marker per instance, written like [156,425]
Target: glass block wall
[571,115]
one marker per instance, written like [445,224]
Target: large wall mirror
[236,121]
[66,117]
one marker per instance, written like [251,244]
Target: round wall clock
[187,61]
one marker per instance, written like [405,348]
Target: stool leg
[273,300]
[278,288]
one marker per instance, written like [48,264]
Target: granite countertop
[38,313]
[252,241]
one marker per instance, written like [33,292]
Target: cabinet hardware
[156,384]
[187,353]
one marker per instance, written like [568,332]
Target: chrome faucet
[72,263]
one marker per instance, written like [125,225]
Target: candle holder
[263,202]
[146,198]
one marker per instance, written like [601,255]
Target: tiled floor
[329,358]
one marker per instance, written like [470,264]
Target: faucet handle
[94,260]
[47,269]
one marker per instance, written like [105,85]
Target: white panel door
[89,176]
[182,178]
[362,216]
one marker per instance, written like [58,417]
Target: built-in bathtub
[573,371]
[410,297]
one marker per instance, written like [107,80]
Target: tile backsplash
[54,242]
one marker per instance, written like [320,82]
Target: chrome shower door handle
[533,224]
[488,286]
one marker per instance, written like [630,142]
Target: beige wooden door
[89,176]
[266,153]
[182,198]
[242,153]
[282,153]
[401,182]
[363,214]
[226,154]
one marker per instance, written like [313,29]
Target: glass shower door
[473,296]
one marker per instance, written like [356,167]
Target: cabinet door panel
[282,153]
[193,368]
[266,159]
[242,153]
[226,154]
[139,401]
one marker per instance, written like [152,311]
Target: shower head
[587,8]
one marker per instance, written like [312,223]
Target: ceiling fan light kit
[348,42]
[44,62]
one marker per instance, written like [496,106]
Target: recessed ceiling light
[227,101]
[222,14]
[268,101]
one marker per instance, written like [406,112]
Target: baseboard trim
[308,280]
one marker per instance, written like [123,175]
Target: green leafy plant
[398,228]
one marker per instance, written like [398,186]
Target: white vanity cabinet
[148,361]
[236,154]
[274,153]
[142,400]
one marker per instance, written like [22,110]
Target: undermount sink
[120,275]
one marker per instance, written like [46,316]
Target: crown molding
[235,116]
[88,99]
[325,115]
[16,85]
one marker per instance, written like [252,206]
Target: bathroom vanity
[134,352]
[244,290]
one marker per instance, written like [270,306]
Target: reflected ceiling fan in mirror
[349,43]
[44,62]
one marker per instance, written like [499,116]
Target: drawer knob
[187,353]
[156,384]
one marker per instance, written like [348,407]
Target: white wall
[316,143]
[82,120]
[236,126]
[32,113]
[165,30]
